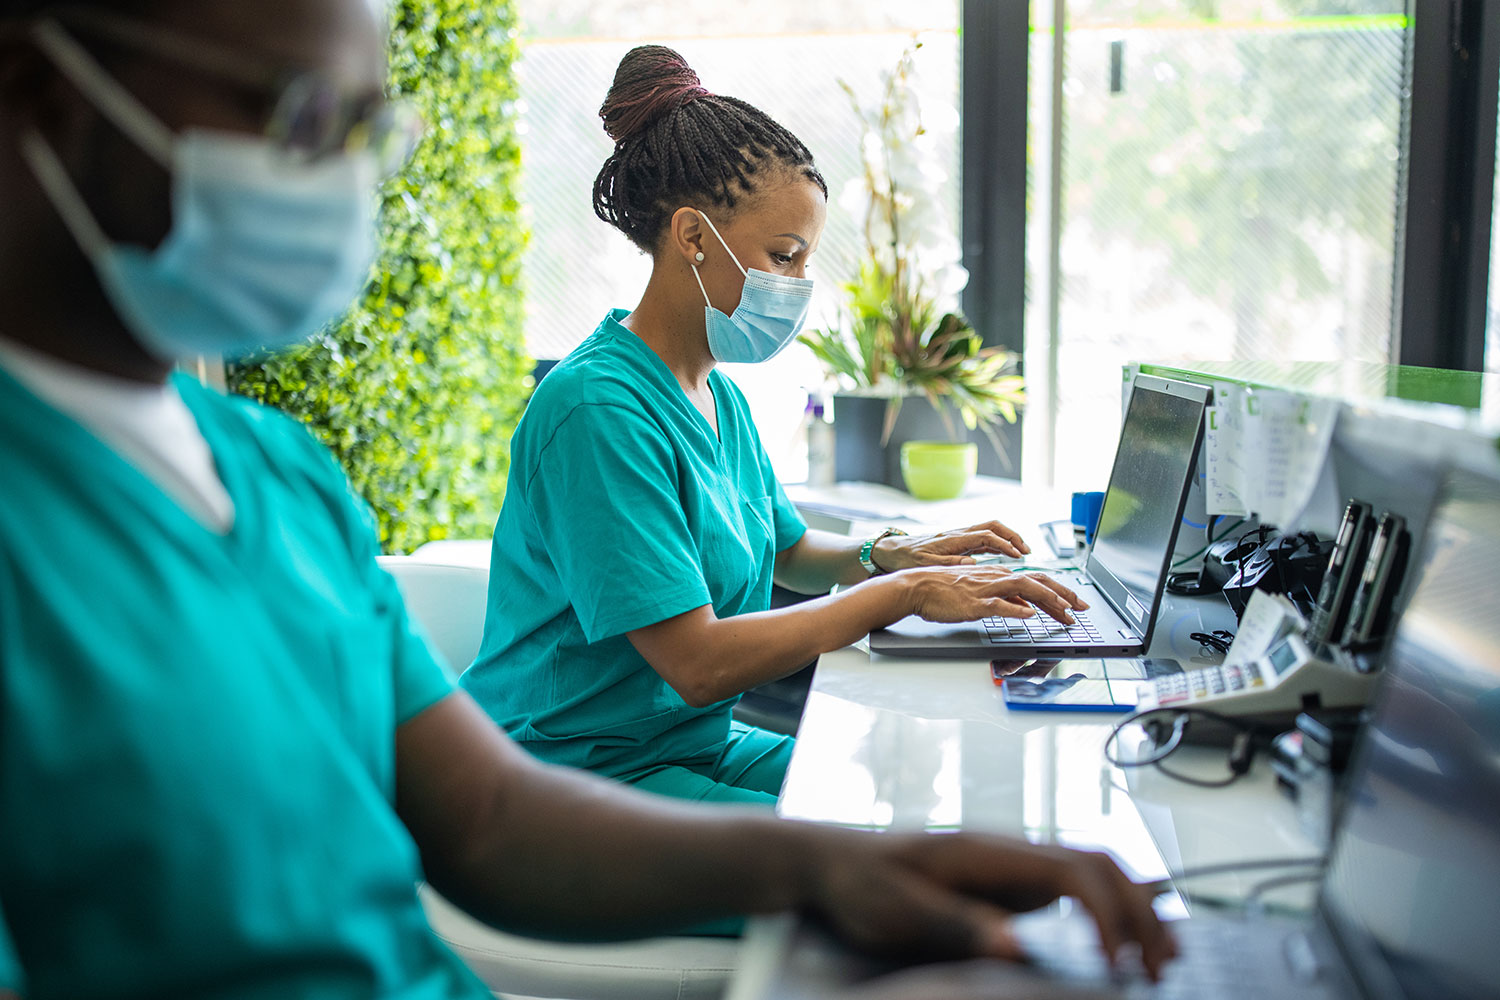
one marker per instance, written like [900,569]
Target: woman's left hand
[955,547]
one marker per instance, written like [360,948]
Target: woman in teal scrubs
[643,527]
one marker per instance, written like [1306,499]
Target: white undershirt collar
[148,425]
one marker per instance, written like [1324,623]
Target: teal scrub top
[622,509]
[197,730]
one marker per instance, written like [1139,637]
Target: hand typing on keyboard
[955,547]
[1118,933]
[971,593]
[1082,629]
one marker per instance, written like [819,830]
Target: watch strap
[867,550]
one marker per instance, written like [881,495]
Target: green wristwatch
[866,551]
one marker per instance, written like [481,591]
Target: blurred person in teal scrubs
[642,529]
[227,756]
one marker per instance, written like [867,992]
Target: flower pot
[938,470]
[858,453]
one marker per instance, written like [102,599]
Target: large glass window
[788,58]
[1228,185]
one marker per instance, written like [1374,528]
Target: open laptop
[1408,904]
[1126,570]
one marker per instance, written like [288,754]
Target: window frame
[994,50]
[1442,278]
[1440,294]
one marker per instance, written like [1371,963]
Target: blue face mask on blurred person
[264,247]
[771,312]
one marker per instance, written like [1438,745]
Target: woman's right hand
[969,593]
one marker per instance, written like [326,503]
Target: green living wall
[418,388]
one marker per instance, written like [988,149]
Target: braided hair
[676,143]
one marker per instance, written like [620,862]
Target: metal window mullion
[993,85]
[1447,204]
[1484,66]
[1053,276]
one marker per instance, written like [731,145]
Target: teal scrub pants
[749,770]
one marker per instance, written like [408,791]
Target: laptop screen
[1412,892]
[1153,465]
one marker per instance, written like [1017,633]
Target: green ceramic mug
[938,470]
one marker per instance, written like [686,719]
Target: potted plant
[908,365]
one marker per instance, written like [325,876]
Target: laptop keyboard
[1219,961]
[1211,971]
[1042,628]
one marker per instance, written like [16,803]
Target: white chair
[456,552]
[448,601]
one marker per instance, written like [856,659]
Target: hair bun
[652,80]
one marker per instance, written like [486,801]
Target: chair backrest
[447,601]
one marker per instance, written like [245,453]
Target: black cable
[1304,540]
[1260,530]
[1199,782]
[1218,640]
[1211,542]
[1164,750]
[1188,583]
[1241,754]
[1241,751]
[1280,558]
[1191,582]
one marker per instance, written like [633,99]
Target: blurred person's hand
[936,896]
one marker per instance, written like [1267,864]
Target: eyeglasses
[311,116]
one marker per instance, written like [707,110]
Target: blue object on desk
[1086,507]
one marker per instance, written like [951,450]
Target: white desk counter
[929,744]
[908,744]
[905,743]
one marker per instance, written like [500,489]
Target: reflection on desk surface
[1125,669]
[885,768]
[1076,685]
[908,745]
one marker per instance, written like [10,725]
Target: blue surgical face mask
[264,247]
[771,312]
